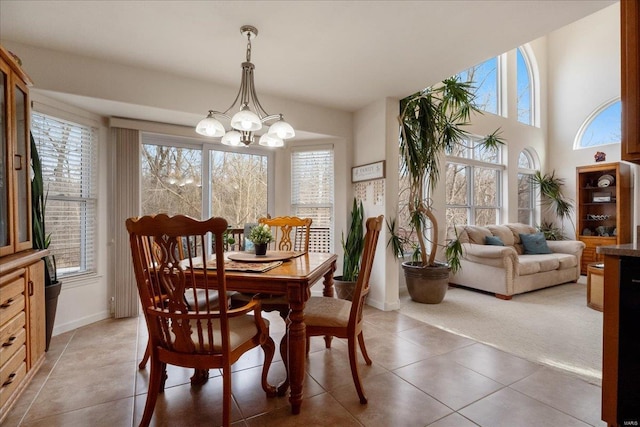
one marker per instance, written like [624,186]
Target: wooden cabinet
[630,79]
[602,210]
[22,323]
[15,188]
[22,312]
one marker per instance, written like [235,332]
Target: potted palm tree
[432,123]
[556,203]
[42,240]
[352,252]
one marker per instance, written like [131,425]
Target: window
[485,79]
[473,176]
[602,127]
[183,177]
[525,98]
[68,153]
[312,188]
[526,193]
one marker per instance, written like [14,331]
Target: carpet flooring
[552,326]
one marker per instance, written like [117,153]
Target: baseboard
[78,323]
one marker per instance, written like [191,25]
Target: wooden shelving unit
[602,212]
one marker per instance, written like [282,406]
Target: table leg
[327,291]
[297,352]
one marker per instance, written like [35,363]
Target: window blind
[312,189]
[68,153]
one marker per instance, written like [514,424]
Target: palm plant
[555,201]
[432,123]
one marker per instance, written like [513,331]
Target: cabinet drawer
[11,300]
[12,373]
[12,336]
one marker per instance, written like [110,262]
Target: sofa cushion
[532,264]
[517,229]
[503,232]
[493,240]
[534,244]
[472,234]
[566,260]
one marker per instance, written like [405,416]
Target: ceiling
[338,54]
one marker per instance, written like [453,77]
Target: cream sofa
[505,270]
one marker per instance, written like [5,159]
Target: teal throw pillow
[534,244]
[493,240]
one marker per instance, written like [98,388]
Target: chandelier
[251,116]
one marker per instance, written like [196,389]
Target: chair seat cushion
[241,330]
[325,311]
[201,295]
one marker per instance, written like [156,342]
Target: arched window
[525,88]
[485,78]
[602,127]
[526,194]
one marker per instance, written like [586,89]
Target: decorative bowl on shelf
[605,181]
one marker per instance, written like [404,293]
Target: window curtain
[125,197]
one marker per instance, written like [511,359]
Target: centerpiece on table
[261,236]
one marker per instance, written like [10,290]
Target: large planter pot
[51,293]
[427,285]
[344,289]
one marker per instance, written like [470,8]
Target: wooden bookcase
[603,215]
[22,298]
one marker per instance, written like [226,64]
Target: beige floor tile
[453,420]
[494,363]
[390,321]
[391,351]
[391,402]
[569,394]
[508,408]
[319,410]
[115,413]
[450,383]
[435,340]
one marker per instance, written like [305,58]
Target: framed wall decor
[368,172]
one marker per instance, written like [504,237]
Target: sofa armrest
[487,251]
[573,247]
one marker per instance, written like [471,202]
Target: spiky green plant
[432,123]
[354,245]
[554,200]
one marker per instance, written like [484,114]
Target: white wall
[585,59]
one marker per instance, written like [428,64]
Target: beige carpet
[551,326]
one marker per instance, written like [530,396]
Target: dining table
[291,276]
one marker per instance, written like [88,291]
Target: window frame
[577,143]
[533,194]
[88,199]
[471,164]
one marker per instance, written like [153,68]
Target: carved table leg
[297,344]
[327,291]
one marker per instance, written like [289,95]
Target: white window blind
[312,189]
[68,153]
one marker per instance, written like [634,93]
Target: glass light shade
[282,130]
[267,140]
[211,127]
[246,120]
[232,138]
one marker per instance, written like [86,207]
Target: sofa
[514,258]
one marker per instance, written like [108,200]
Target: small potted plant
[261,236]
[352,249]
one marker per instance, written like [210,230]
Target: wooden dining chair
[341,318]
[290,233]
[192,336]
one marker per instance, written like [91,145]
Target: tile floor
[421,376]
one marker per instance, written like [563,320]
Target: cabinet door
[36,310]
[6,214]
[22,187]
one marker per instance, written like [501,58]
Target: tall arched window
[526,194]
[525,88]
[602,127]
[486,80]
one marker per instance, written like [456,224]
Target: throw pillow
[493,240]
[534,244]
